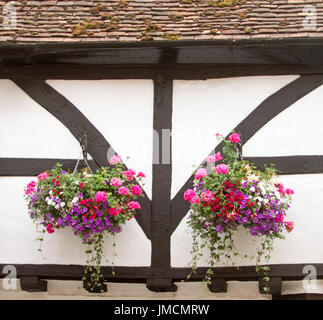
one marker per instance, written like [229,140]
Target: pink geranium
[30,187]
[141,174]
[289,226]
[207,196]
[289,191]
[123,190]
[115,160]
[134,205]
[115,182]
[200,173]
[100,196]
[49,228]
[42,176]
[210,159]
[114,211]
[234,138]
[136,190]
[218,157]
[189,194]
[195,199]
[129,174]
[222,169]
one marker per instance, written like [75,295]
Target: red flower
[49,228]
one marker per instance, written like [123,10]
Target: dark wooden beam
[218,285]
[287,272]
[161,192]
[306,52]
[189,72]
[33,284]
[291,164]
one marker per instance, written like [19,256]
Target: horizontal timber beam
[287,272]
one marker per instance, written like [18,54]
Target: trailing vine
[236,195]
[91,205]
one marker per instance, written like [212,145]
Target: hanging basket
[91,205]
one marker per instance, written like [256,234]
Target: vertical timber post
[159,279]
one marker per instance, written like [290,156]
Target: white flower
[57,207]
[76,182]
[62,204]
[252,189]
[75,199]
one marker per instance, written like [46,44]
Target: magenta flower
[100,196]
[42,176]
[141,174]
[129,174]
[115,182]
[289,191]
[234,138]
[195,199]
[218,157]
[200,173]
[123,190]
[222,168]
[189,194]
[115,160]
[134,205]
[207,195]
[135,190]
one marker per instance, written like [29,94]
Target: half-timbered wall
[124,99]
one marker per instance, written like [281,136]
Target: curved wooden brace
[77,123]
[266,111]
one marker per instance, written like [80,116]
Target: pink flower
[30,187]
[289,191]
[123,190]
[200,173]
[280,188]
[218,157]
[210,159]
[100,196]
[115,159]
[189,194]
[29,190]
[129,174]
[222,168]
[114,211]
[207,196]
[289,226]
[31,184]
[115,182]
[49,228]
[234,138]
[134,205]
[195,199]
[141,174]
[42,176]
[135,190]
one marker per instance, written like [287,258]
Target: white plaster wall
[202,108]
[29,131]
[298,130]
[122,111]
